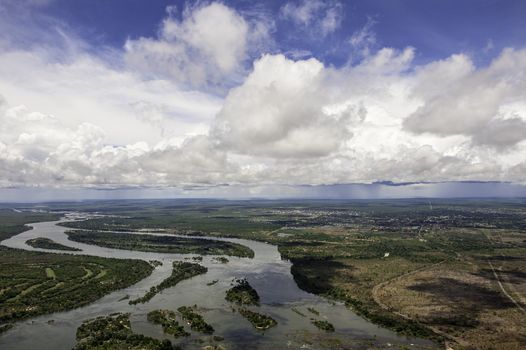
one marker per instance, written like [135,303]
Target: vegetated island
[167,319]
[259,321]
[323,325]
[160,244]
[313,311]
[181,270]
[114,332]
[36,283]
[376,255]
[242,293]
[46,243]
[195,320]
[221,259]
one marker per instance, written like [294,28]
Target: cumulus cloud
[71,118]
[207,46]
[280,110]
[37,149]
[324,15]
[485,103]
[82,88]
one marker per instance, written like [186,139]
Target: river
[266,272]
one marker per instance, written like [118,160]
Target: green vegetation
[36,283]
[259,321]
[221,259]
[13,223]
[242,293]
[114,332]
[46,243]
[181,270]
[446,257]
[196,321]
[313,311]
[160,244]
[156,263]
[167,319]
[323,325]
[298,312]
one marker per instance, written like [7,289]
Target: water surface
[266,272]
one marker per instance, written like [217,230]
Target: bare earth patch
[462,300]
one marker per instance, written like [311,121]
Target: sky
[240,98]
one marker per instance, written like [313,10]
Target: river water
[266,272]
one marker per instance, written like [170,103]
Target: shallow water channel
[266,272]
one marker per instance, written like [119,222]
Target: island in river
[444,274]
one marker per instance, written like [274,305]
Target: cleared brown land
[463,300]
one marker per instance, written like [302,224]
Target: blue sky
[437,28]
[232,97]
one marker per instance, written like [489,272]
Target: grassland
[46,243]
[159,244]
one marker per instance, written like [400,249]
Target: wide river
[266,272]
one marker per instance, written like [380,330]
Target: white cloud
[206,47]
[364,40]
[325,15]
[290,122]
[71,118]
[485,104]
[279,111]
[37,149]
[82,88]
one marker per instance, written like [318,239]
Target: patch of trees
[46,243]
[181,270]
[195,320]
[242,293]
[114,332]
